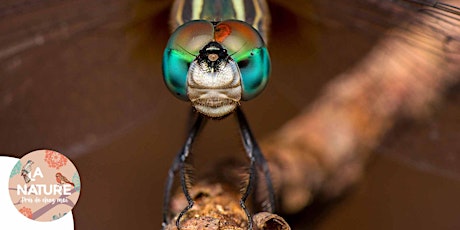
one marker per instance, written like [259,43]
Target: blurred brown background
[84,78]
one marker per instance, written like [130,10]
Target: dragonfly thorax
[214,82]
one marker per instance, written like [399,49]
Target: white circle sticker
[44,185]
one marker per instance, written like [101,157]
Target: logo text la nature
[43,189]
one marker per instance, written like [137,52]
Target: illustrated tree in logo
[26,212]
[55,159]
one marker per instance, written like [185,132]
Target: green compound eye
[245,45]
[182,48]
[255,70]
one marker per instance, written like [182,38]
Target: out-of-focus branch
[324,150]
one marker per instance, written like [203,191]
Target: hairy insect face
[213,82]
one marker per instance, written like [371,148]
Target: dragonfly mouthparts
[215,103]
[215,108]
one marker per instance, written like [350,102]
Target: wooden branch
[217,207]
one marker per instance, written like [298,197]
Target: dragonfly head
[216,65]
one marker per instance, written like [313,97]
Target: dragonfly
[216,58]
[67,64]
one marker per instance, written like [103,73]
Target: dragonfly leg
[262,162]
[257,159]
[252,175]
[178,164]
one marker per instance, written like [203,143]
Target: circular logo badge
[44,185]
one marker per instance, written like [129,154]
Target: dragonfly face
[216,65]
[214,82]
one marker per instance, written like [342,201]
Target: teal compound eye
[255,71]
[182,48]
[245,45]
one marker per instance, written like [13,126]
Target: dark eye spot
[243,63]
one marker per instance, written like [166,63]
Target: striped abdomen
[254,12]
